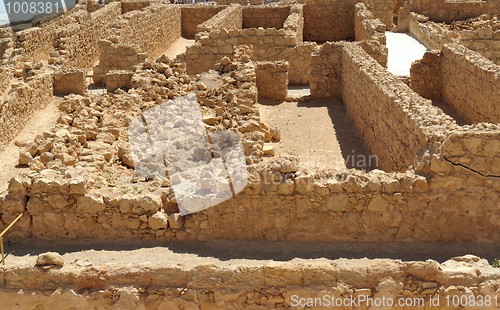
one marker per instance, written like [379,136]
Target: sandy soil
[40,121]
[319,132]
[178,47]
[224,253]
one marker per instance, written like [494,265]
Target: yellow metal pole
[11,224]
[3,233]
[3,255]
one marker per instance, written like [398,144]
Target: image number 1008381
[20,12]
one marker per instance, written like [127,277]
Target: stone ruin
[400,176]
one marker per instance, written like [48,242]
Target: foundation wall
[449,10]
[265,16]
[267,44]
[395,135]
[153,30]
[264,285]
[366,26]
[133,5]
[479,100]
[426,78]
[299,60]
[241,2]
[326,71]
[485,41]
[432,35]
[192,16]
[231,18]
[37,43]
[272,80]
[19,104]
[77,44]
[356,206]
[136,36]
[328,20]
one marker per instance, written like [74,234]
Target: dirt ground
[318,132]
[178,47]
[224,252]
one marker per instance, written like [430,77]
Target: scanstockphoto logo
[16,13]
[170,140]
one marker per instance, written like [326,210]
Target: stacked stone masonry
[137,35]
[77,42]
[483,39]
[480,99]
[192,16]
[447,10]
[426,76]
[371,32]
[20,102]
[240,2]
[272,80]
[364,81]
[231,18]
[265,16]
[265,285]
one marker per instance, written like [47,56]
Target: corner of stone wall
[426,76]
[70,82]
[326,71]
[272,79]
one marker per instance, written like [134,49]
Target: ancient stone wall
[22,100]
[295,21]
[326,20]
[241,2]
[371,31]
[388,130]
[299,60]
[272,79]
[383,10]
[70,82]
[36,43]
[137,35]
[326,71]
[426,76]
[133,5]
[433,35]
[268,44]
[259,285]
[116,57]
[77,43]
[485,41]
[474,148]
[265,16]
[447,10]
[115,79]
[231,18]
[366,26]
[192,16]
[152,30]
[349,206]
[470,84]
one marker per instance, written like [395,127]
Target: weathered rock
[50,259]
